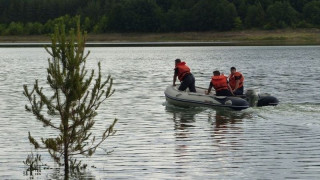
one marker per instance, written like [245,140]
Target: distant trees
[212,15]
[281,15]
[101,16]
[255,16]
[14,29]
[225,15]
[135,15]
[311,12]
[203,15]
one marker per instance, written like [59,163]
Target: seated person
[236,81]
[220,84]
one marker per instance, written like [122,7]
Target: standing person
[182,71]
[236,81]
[220,84]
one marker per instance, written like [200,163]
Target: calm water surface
[160,141]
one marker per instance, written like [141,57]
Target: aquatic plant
[33,163]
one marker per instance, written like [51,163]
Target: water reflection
[205,135]
[226,129]
[184,125]
[183,117]
[58,173]
[221,118]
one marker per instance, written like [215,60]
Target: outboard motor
[252,97]
[267,100]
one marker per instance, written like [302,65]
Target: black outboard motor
[259,100]
[252,97]
[267,100]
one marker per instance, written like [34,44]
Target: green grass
[245,37]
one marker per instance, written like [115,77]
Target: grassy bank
[247,37]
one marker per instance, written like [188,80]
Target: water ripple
[156,140]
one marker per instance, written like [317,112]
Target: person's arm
[175,75]
[174,79]
[237,78]
[209,89]
[230,89]
[237,85]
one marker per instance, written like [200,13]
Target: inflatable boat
[186,98]
[251,98]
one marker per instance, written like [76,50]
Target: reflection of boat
[186,98]
[184,114]
[183,117]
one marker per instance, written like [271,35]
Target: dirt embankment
[246,37]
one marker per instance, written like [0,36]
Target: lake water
[156,140]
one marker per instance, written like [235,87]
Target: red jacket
[219,82]
[232,79]
[183,70]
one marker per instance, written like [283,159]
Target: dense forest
[29,17]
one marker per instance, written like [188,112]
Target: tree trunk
[66,145]
[66,160]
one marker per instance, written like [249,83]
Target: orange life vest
[232,80]
[219,82]
[183,70]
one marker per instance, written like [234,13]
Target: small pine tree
[72,107]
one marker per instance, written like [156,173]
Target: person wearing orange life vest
[182,71]
[220,84]
[236,81]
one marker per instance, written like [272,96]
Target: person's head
[216,73]
[177,61]
[233,70]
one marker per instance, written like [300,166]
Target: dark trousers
[223,92]
[239,91]
[188,82]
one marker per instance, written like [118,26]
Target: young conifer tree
[71,107]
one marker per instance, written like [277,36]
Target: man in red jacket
[236,81]
[182,71]
[220,84]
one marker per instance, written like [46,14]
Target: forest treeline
[32,17]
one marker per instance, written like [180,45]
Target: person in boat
[236,81]
[182,71]
[220,84]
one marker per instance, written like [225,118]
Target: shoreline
[163,44]
[286,37]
